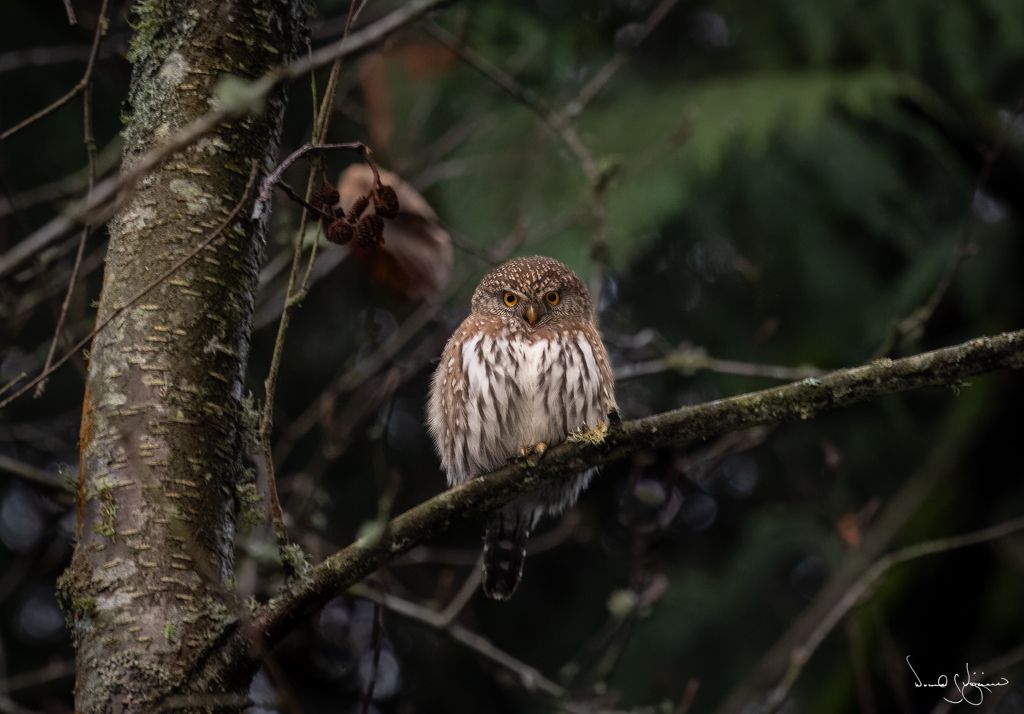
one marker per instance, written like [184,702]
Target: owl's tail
[505,552]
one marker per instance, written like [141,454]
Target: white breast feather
[516,390]
[490,364]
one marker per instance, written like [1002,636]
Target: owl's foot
[594,435]
[614,418]
[534,453]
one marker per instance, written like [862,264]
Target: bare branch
[9,706]
[465,593]
[83,83]
[914,322]
[689,696]
[107,160]
[72,20]
[951,442]
[50,673]
[591,89]
[33,474]
[114,314]
[43,56]
[529,677]
[678,428]
[90,149]
[378,626]
[111,193]
[690,360]
[321,123]
[802,653]
[597,178]
[275,176]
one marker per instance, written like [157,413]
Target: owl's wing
[446,410]
[606,379]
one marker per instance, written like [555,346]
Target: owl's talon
[614,418]
[533,454]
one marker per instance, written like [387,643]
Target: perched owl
[523,371]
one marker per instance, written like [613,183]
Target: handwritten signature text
[968,691]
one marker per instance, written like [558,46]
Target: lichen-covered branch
[946,367]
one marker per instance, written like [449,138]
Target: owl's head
[535,292]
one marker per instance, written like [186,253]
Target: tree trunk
[149,588]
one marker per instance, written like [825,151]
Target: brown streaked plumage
[527,366]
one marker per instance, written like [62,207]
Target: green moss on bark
[161,472]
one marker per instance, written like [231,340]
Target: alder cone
[415,259]
[385,201]
[357,206]
[326,199]
[370,231]
[340,231]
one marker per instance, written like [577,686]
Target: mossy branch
[804,399]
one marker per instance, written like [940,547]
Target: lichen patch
[174,69]
[197,201]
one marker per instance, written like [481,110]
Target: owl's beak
[531,315]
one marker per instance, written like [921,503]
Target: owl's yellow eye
[553,297]
[510,299]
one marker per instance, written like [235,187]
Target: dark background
[787,181]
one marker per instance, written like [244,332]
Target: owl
[524,370]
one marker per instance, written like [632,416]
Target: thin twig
[33,474]
[322,121]
[527,97]
[375,643]
[598,658]
[899,509]
[464,595]
[156,282]
[690,360]
[72,20]
[83,83]
[27,302]
[111,193]
[575,106]
[353,377]
[90,150]
[43,56]
[917,319]
[275,177]
[290,193]
[698,464]
[530,678]
[106,161]
[689,696]
[9,706]
[47,674]
[597,178]
[800,655]
[464,557]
